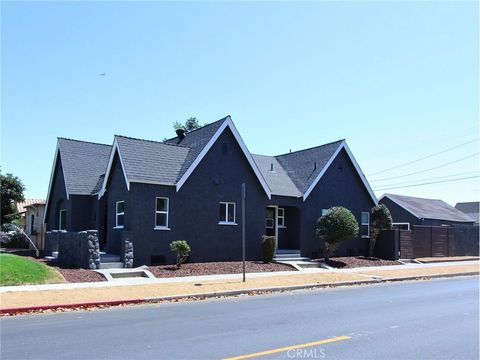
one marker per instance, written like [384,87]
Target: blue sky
[398,80]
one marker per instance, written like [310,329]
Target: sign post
[243,229]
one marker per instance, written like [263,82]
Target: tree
[190,124]
[337,225]
[381,220]
[11,191]
[182,249]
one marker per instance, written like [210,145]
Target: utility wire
[408,182]
[423,158]
[425,170]
[428,183]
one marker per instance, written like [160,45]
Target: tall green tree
[337,225]
[381,220]
[190,124]
[11,191]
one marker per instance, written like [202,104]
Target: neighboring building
[189,188]
[472,209]
[21,210]
[34,214]
[408,211]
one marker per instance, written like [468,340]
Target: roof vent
[180,133]
[271,167]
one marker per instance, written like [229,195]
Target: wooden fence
[436,241]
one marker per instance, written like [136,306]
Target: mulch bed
[214,268]
[358,261]
[74,275]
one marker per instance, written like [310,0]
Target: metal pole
[243,229]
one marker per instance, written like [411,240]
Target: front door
[271,222]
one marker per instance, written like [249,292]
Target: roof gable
[428,208]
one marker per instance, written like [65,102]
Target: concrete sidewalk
[140,290]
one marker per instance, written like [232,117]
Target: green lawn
[17,270]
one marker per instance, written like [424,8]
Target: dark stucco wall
[399,214]
[57,199]
[339,186]
[194,210]
[81,214]
[116,190]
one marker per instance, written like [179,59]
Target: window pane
[63,220]
[364,230]
[269,223]
[161,219]
[281,212]
[223,212]
[270,213]
[120,220]
[231,213]
[281,221]
[365,218]
[161,204]
[121,207]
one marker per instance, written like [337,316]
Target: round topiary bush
[337,225]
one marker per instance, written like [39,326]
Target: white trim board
[343,145]
[115,148]
[227,123]
[57,152]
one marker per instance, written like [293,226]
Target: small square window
[281,217]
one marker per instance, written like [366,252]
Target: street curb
[201,296]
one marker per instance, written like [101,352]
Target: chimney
[315,165]
[271,167]
[180,133]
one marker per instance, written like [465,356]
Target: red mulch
[214,268]
[358,261]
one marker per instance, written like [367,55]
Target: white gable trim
[402,206]
[52,174]
[343,145]
[115,148]
[227,123]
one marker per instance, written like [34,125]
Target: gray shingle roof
[278,180]
[300,165]
[471,209]
[429,208]
[196,140]
[151,161]
[83,164]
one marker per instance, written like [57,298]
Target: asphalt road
[437,319]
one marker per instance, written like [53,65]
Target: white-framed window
[281,217]
[365,224]
[62,220]
[227,213]
[325,211]
[162,205]
[401,225]
[119,214]
[270,219]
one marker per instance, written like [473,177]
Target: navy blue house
[408,211]
[189,188]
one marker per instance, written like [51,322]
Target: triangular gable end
[52,175]
[227,123]
[343,145]
[115,149]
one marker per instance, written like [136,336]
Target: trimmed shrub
[381,220]
[182,249]
[337,225]
[268,248]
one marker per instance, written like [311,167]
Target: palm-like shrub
[182,249]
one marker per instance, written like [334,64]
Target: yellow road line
[286,348]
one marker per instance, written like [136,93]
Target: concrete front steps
[295,259]
[109,261]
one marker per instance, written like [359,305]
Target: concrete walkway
[186,279]
[142,289]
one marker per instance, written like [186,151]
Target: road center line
[286,348]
